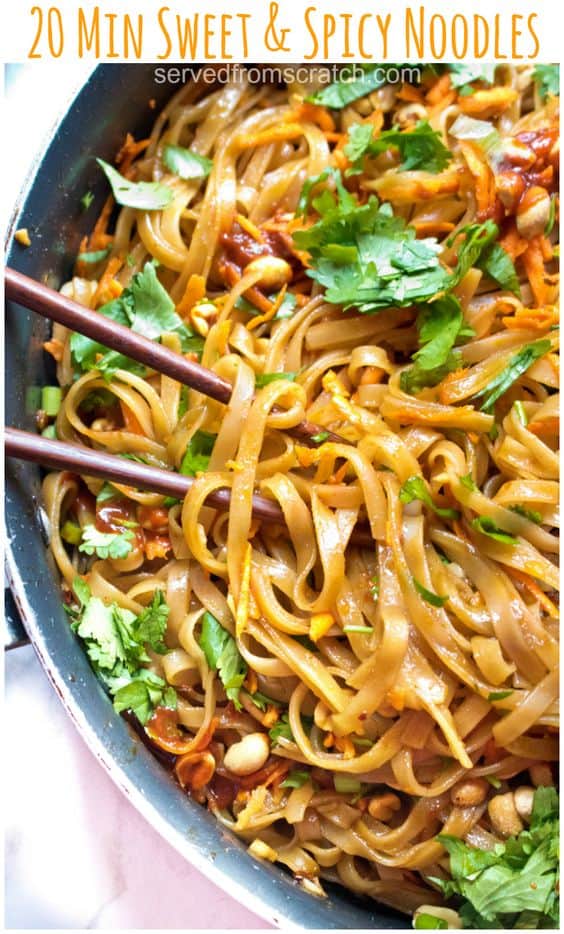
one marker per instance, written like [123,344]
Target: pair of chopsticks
[79,459]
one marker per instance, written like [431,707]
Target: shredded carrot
[536,591]
[157,546]
[339,159]
[339,474]
[328,740]
[251,682]
[268,315]
[99,239]
[108,287]
[534,267]
[439,90]
[488,103]
[128,152]
[538,319]
[408,92]
[513,243]
[276,134]
[432,228]
[548,426]
[193,293]
[56,348]
[485,180]
[130,420]
[242,614]
[319,625]
[271,716]
[314,113]
[345,745]
[251,228]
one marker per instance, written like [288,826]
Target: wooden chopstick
[51,304]
[60,455]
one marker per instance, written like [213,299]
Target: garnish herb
[531,514]
[462,75]
[95,257]
[364,256]
[185,163]
[547,78]
[415,489]
[295,779]
[198,453]
[427,922]
[115,641]
[433,598]
[87,200]
[487,526]
[419,148]
[344,91]
[346,784]
[468,482]
[441,325]
[515,884]
[263,379]
[106,544]
[518,364]
[498,695]
[146,196]
[320,437]
[223,656]
[145,307]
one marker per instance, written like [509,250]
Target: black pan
[114,100]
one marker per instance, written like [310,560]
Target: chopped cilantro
[364,256]
[468,482]
[263,379]
[344,91]
[547,78]
[419,148]
[517,366]
[462,75]
[514,885]
[144,306]
[295,779]
[415,489]
[146,196]
[433,598]
[185,163]
[531,514]
[115,641]
[198,453]
[441,325]
[223,656]
[487,526]
[106,544]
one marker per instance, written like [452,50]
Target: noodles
[387,682]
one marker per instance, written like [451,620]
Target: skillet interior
[114,100]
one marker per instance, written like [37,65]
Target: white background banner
[275,32]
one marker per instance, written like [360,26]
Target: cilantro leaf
[364,256]
[441,325]
[487,526]
[263,379]
[147,196]
[419,148]
[185,163]
[106,544]
[433,598]
[281,730]
[285,310]
[144,306]
[461,75]
[198,453]
[223,656]
[513,885]
[479,249]
[150,625]
[143,693]
[344,91]
[415,489]
[517,366]
[115,641]
[531,514]
[547,78]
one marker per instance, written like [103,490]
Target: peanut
[469,793]
[248,755]
[381,807]
[533,212]
[274,272]
[503,815]
[523,798]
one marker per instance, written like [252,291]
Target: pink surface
[78,855]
